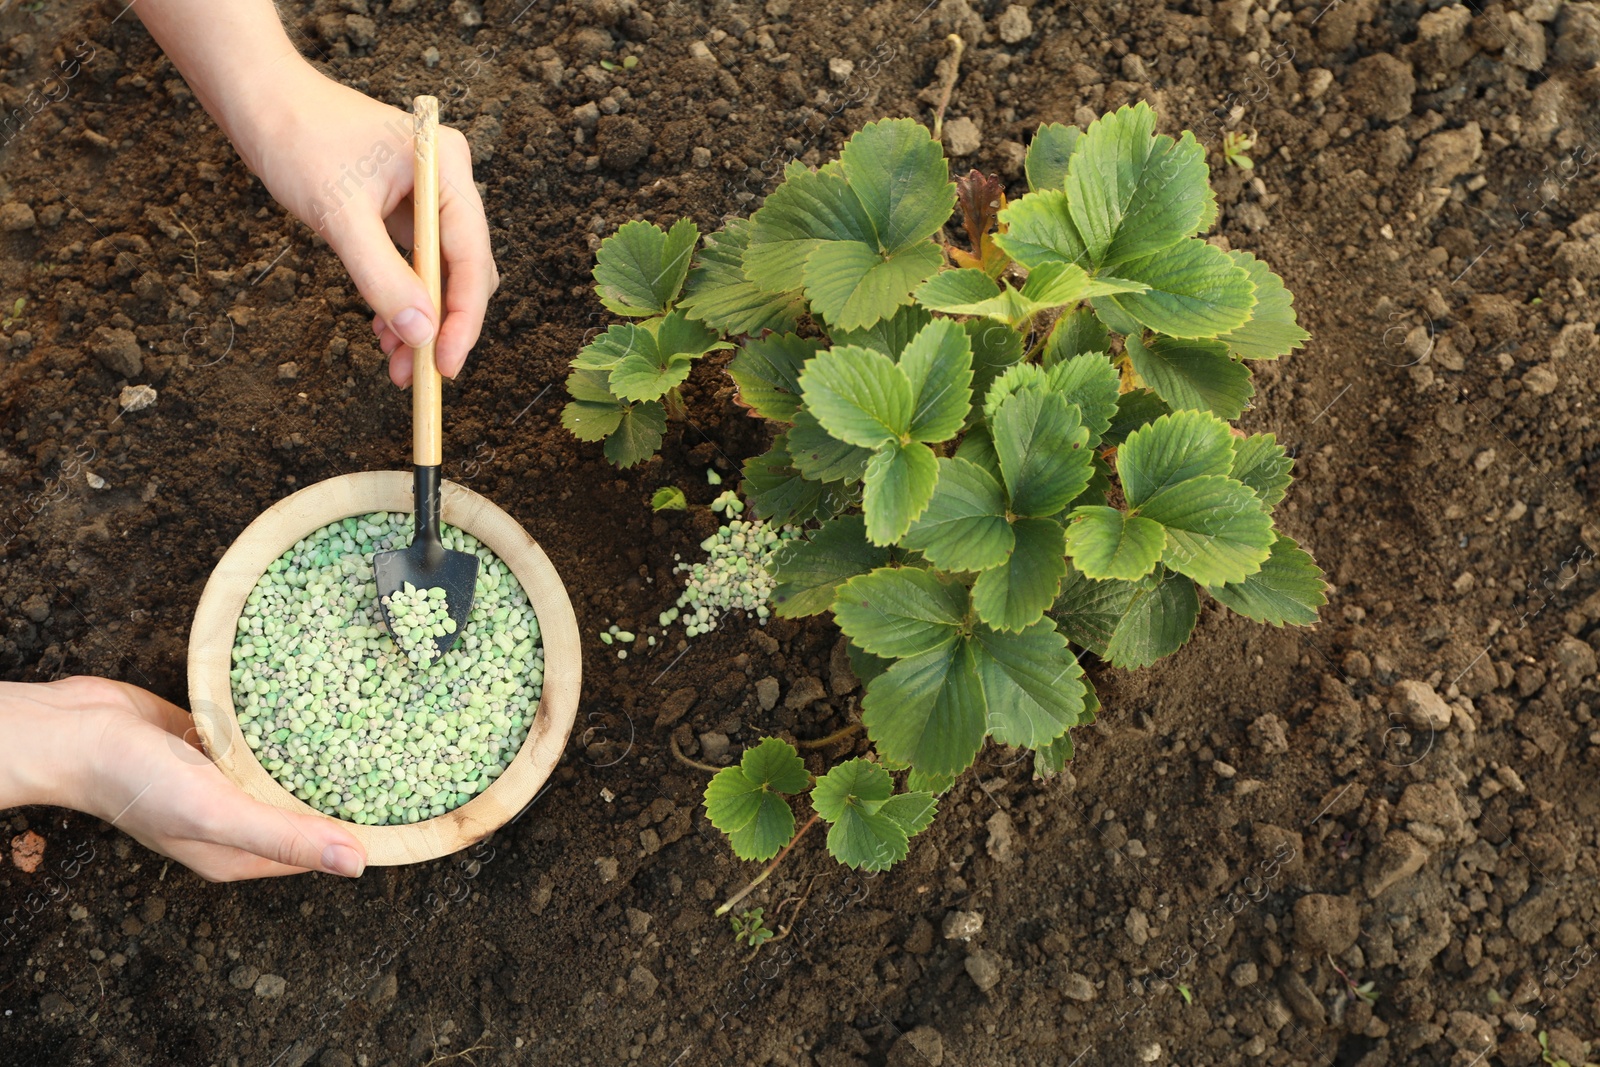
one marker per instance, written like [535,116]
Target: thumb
[313,842]
[381,273]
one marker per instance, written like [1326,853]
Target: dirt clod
[983,967]
[962,925]
[118,351]
[623,142]
[27,851]
[1399,856]
[1324,923]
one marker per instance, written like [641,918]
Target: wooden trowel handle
[427,430]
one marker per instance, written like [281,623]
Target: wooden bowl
[273,533]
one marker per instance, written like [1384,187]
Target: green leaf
[1135,409]
[912,811]
[594,412]
[1052,758]
[899,173]
[746,802]
[1217,530]
[1051,285]
[934,784]
[1076,333]
[1024,377]
[1160,617]
[1039,230]
[668,498]
[638,377]
[1133,194]
[865,665]
[589,386]
[1041,441]
[640,268]
[1098,492]
[808,209]
[719,294]
[767,373]
[1032,683]
[928,710]
[1114,318]
[1048,155]
[1088,610]
[1173,449]
[1260,462]
[863,841]
[968,291]
[1288,589]
[888,335]
[1197,375]
[852,285]
[778,493]
[899,482]
[613,346]
[1090,383]
[853,783]
[1013,595]
[591,422]
[637,435]
[808,573]
[1273,330]
[1107,543]
[938,363]
[859,396]
[978,447]
[660,356]
[1195,291]
[899,611]
[821,457]
[965,527]
[868,830]
[996,348]
[972,292]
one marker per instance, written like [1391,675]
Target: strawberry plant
[1003,456]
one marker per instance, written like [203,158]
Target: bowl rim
[273,532]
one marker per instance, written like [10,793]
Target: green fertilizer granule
[340,714]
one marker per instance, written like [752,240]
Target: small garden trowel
[427,564]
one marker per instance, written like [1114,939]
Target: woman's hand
[132,759]
[342,162]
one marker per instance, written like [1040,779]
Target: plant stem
[677,411]
[685,760]
[947,81]
[765,874]
[837,735]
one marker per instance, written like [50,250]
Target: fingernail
[413,326]
[342,859]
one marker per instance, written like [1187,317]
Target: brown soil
[1257,826]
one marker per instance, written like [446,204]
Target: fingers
[382,275]
[153,709]
[221,863]
[309,842]
[468,262]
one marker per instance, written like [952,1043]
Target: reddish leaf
[981,198]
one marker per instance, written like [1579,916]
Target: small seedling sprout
[1235,143]
[751,928]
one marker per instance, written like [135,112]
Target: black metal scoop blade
[427,564]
